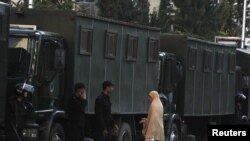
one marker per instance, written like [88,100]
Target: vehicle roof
[20,31]
[246,51]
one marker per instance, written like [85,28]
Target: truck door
[51,76]
[170,75]
[4,21]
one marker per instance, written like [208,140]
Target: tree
[204,18]
[142,11]
[125,10]
[166,15]
[154,19]
[108,8]
[54,4]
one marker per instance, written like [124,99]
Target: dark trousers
[76,132]
[100,137]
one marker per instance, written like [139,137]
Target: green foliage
[166,12]
[154,19]
[202,17]
[142,11]
[54,4]
[125,10]
[108,8]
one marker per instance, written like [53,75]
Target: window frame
[220,61]
[89,38]
[192,58]
[132,51]
[232,63]
[111,51]
[207,62]
[153,54]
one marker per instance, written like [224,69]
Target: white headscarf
[153,127]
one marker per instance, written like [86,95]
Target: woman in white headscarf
[153,128]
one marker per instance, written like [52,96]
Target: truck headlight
[30,133]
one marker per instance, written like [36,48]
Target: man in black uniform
[105,122]
[76,113]
[19,111]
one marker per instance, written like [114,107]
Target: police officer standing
[105,122]
[19,111]
[76,113]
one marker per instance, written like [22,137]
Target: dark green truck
[4,26]
[88,50]
[202,79]
[197,77]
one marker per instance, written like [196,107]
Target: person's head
[163,99]
[79,89]
[153,95]
[20,91]
[107,87]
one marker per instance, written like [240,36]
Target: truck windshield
[21,51]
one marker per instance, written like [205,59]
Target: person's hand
[143,120]
[84,95]
[105,132]
[116,129]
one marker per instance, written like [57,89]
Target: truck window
[86,41]
[232,62]
[208,60]
[132,45]
[219,62]
[111,45]
[20,54]
[192,55]
[153,49]
[47,56]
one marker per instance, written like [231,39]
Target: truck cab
[36,57]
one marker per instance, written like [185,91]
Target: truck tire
[174,133]
[57,133]
[190,138]
[125,133]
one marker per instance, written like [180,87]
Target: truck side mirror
[59,60]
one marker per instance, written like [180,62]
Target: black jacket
[103,112]
[18,113]
[76,110]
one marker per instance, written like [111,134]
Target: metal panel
[126,76]
[82,71]
[198,80]
[4,18]
[98,63]
[112,66]
[206,92]
[129,77]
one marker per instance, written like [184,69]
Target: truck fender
[49,123]
[169,120]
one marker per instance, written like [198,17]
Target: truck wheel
[125,133]
[57,133]
[174,133]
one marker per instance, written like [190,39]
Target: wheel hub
[173,136]
[56,138]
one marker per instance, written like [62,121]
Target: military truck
[81,48]
[242,87]
[198,77]
[4,26]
